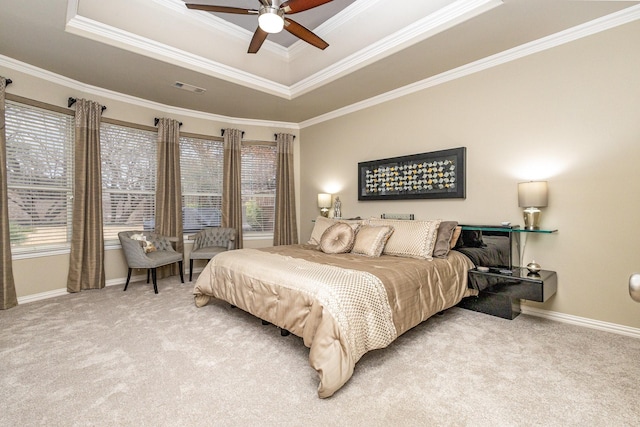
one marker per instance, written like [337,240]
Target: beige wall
[48,274]
[570,115]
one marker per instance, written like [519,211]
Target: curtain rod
[8,81]
[275,135]
[156,120]
[222,132]
[72,101]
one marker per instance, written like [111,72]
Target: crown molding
[580,31]
[332,24]
[593,27]
[113,36]
[435,22]
[422,29]
[54,78]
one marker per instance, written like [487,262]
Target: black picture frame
[433,175]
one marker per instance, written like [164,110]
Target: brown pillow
[370,240]
[443,239]
[470,239]
[455,237]
[337,239]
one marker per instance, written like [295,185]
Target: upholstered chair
[209,242]
[152,252]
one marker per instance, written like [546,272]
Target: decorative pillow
[412,239]
[455,237]
[370,240]
[147,246]
[470,239]
[319,227]
[337,239]
[443,238]
[323,223]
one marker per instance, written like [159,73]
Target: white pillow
[411,239]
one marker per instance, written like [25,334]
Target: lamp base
[324,212]
[531,218]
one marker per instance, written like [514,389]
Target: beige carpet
[113,358]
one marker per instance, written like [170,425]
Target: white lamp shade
[324,200]
[270,20]
[532,194]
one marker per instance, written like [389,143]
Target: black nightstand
[501,292]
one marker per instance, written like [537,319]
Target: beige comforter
[341,305]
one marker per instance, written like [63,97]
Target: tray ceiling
[142,47]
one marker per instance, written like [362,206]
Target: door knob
[634,287]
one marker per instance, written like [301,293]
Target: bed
[342,303]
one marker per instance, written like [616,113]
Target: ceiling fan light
[271,19]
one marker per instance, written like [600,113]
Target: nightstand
[501,292]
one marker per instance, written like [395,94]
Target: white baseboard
[581,321]
[63,291]
[41,296]
[531,311]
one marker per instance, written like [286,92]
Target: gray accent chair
[137,258]
[209,242]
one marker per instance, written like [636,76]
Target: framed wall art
[434,175]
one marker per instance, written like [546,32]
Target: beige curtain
[8,297]
[285,230]
[86,263]
[168,190]
[231,189]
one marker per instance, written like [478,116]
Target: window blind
[201,169]
[40,176]
[258,187]
[128,179]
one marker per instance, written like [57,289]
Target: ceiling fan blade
[302,33]
[295,6]
[256,41]
[221,9]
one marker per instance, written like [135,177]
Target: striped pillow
[411,239]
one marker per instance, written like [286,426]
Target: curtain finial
[156,120]
[72,101]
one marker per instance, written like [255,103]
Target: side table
[502,291]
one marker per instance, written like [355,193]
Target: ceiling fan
[272,19]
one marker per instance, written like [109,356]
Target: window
[128,179]
[258,187]
[201,167]
[40,177]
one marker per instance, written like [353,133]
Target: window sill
[17,254]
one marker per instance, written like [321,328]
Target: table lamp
[532,195]
[324,203]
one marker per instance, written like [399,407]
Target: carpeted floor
[113,358]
